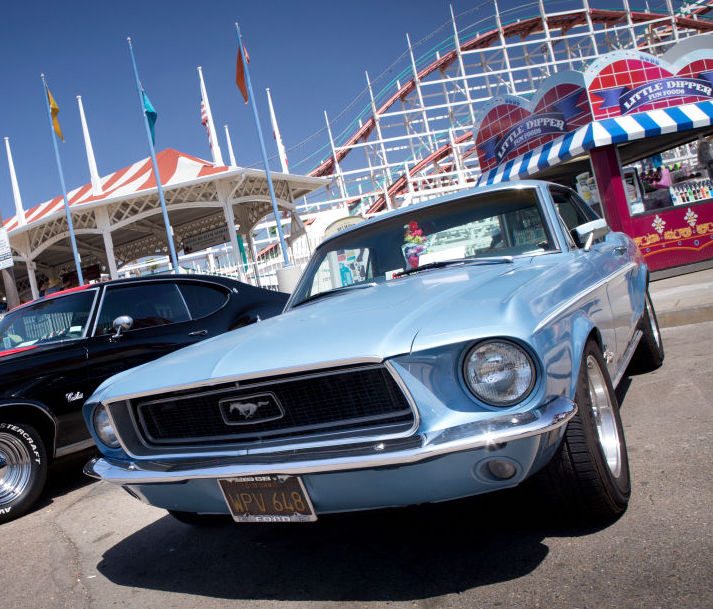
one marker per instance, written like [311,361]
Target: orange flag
[54,110]
[240,73]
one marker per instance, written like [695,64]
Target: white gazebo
[119,220]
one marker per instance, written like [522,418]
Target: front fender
[35,413]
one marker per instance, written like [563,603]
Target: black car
[55,352]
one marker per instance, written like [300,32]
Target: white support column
[31,266]
[91,161]
[548,38]
[104,225]
[253,256]
[590,27]
[503,46]
[630,23]
[224,198]
[461,67]
[19,211]
[419,94]
[457,161]
[674,27]
[337,169]
[377,125]
[230,148]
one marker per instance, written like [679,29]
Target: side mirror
[121,324]
[586,234]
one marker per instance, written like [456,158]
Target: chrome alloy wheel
[604,416]
[15,468]
[652,322]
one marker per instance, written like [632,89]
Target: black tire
[649,354]
[589,474]
[23,468]
[200,520]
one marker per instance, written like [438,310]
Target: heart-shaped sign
[625,82]
[508,127]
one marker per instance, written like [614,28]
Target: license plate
[270,498]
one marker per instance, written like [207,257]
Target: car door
[51,335]
[610,268]
[161,323]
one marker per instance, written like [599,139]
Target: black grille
[337,402]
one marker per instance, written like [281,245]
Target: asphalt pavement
[684,299]
[89,545]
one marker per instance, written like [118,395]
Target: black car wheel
[649,353]
[23,468]
[589,475]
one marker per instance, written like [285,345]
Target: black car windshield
[494,224]
[46,321]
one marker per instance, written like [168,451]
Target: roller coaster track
[522,28]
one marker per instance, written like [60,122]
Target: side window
[202,299]
[148,304]
[572,211]
[47,321]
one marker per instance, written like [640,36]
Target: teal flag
[151,114]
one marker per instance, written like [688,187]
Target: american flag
[204,121]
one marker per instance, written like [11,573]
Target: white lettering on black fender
[25,436]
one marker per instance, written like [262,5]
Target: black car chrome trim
[74,448]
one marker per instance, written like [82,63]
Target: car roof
[227,282]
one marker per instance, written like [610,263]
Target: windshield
[52,320]
[492,224]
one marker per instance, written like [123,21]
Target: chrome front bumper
[489,432]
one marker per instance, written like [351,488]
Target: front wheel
[589,474]
[23,468]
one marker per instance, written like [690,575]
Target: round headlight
[104,428]
[499,372]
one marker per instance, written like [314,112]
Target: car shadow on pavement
[64,477]
[397,554]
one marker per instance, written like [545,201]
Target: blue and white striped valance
[602,133]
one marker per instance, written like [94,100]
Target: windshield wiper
[443,263]
[333,291]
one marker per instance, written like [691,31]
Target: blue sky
[311,53]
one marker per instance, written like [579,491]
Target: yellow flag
[54,109]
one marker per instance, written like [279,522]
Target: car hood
[368,324]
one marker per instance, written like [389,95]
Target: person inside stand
[705,155]
[658,195]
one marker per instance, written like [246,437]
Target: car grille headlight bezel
[104,427]
[499,372]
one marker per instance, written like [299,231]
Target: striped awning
[602,133]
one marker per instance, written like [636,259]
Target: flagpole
[278,137]
[72,240]
[233,163]
[164,211]
[91,161]
[212,135]
[283,245]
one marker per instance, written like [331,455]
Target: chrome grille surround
[329,407]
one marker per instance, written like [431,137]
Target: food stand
[604,122]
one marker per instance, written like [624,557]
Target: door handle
[620,249]
[198,333]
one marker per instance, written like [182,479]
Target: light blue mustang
[446,349]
